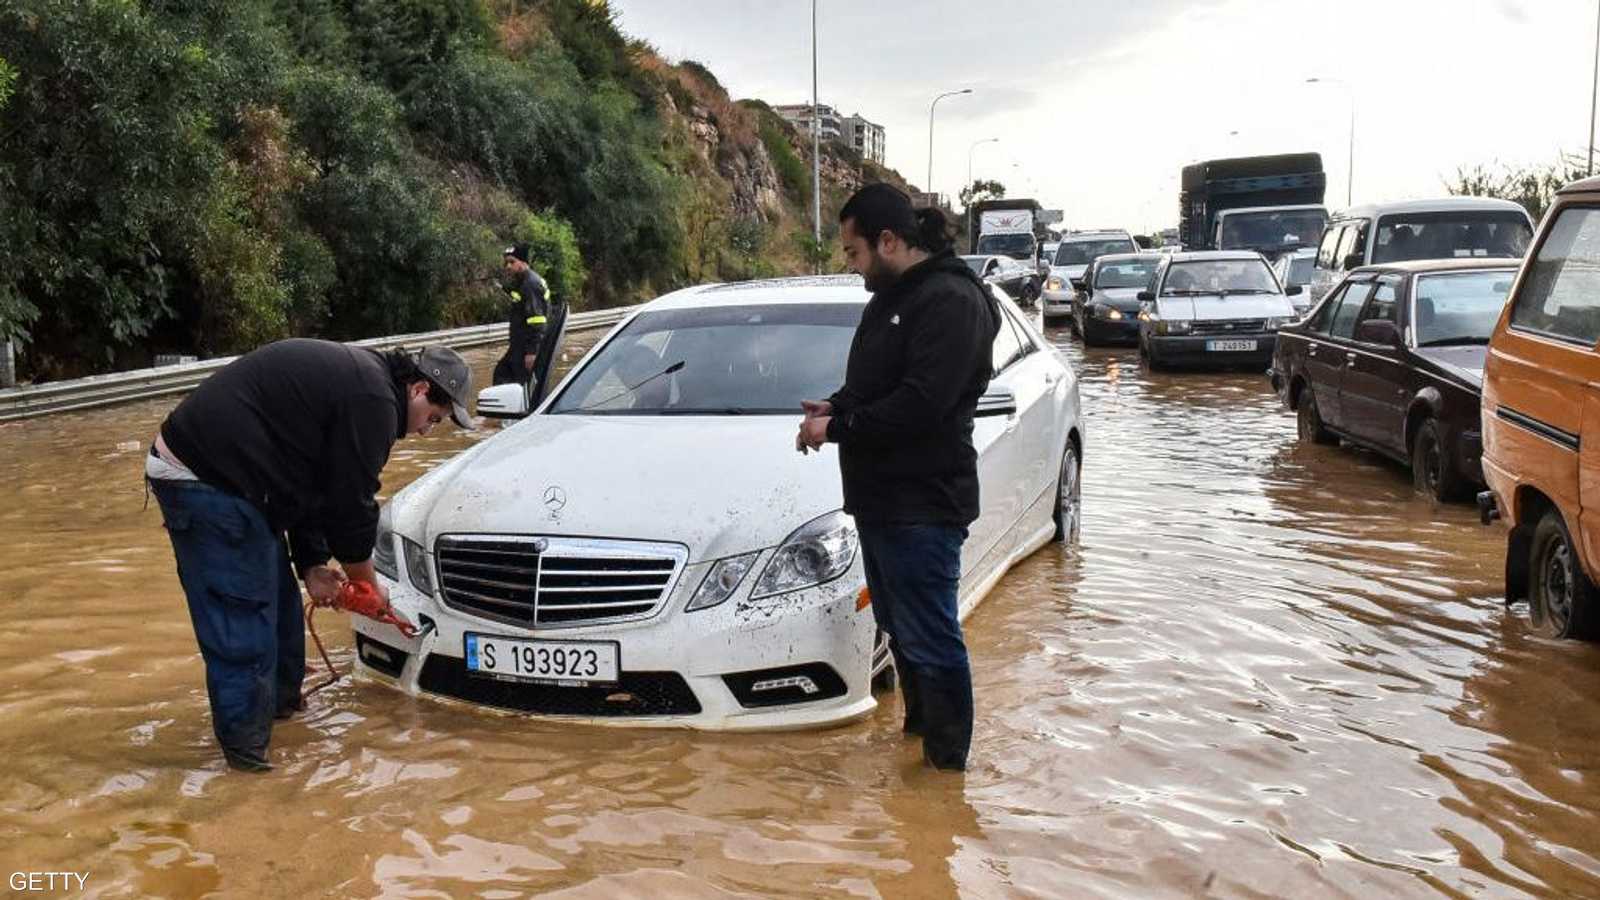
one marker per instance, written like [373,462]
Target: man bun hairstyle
[882,207]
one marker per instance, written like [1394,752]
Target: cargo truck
[1249,182]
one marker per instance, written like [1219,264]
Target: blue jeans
[244,603]
[914,574]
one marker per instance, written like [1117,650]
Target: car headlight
[1106,312]
[1276,322]
[1054,283]
[818,552]
[417,565]
[383,558]
[1174,326]
[723,579]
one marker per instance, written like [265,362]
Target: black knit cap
[518,251]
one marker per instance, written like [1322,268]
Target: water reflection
[1268,670]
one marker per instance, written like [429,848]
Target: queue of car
[1020,282]
[1074,252]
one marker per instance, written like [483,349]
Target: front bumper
[1056,303]
[1112,331]
[678,669]
[1196,349]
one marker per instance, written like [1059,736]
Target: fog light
[803,682]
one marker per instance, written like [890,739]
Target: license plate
[1230,345]
[545,662]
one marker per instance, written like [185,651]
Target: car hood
[1464,362]
[1236,306]
[1125,299]
[720,485]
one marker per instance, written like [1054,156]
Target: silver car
[1073,255]
[1213,307]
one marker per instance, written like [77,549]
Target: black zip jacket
[921,358]
[530,299]
[302,429]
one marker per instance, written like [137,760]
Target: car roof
[798,290]
[1256,209]
[1441,204]
[1582,185]
[1465,264]
[1101,235]
[1209,255]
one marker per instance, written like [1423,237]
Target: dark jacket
[530,309]
[921,358]
[302,429]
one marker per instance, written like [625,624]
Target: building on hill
[856,131]
[866,137]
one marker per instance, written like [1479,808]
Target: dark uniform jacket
[921,358]
[530,309]
[302,429]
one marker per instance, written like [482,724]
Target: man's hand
[527,362]
[813,433]
[323,583]
[816,408]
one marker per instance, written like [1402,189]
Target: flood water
[1268,670]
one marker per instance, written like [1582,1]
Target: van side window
[1330,240]
[1348,243]
[1561,295]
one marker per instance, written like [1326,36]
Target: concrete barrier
[143,384]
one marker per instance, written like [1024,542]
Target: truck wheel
[1562,601]
[1431,469]
[1309,421]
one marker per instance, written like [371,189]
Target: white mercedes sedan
[648,548]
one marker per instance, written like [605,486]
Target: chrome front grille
[535,582]
[1229,326]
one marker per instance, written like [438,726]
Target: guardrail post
[8,364]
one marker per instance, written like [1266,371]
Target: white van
[1448,228]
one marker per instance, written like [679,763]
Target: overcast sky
[1099,103]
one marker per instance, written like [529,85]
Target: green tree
[1533,186]
[981,190]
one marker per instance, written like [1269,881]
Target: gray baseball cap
[445,368]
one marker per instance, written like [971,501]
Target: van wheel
[1431,469]
[1562,601]
[1068,515]
[1309,421]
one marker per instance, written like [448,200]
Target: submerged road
[1268,670]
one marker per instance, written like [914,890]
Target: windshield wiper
[1230,291]
[675,367]
[1454,342]
[1186,293]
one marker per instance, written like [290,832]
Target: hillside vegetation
[203,176]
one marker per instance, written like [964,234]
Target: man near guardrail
[528,316]
[288,439]
[921,358]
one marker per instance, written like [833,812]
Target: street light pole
[975,145]
[930,132]
[1350,167]
[1594,91]
[816,150]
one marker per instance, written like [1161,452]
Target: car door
[1374,391]
[1324,275]
[1080,299]
[993,436]
[1032,380]
[1326,347]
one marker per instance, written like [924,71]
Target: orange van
[1541,420]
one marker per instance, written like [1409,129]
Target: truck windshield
[1460,307]
[716,361]
[1220,276]
[1267,230]
[1448,235]
[1016,246]
[1081,253]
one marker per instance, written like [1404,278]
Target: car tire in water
[1431,468]
[1068,514]
[1309,421]
[1562,601]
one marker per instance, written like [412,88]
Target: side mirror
[998,400]
[1353,261]
[1378,331]
[503,401]
[1079,285]
[1147,296]
[1293,290]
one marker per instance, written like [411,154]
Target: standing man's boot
[947,716]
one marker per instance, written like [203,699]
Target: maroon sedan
[1392,360]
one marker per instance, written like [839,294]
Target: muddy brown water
[1268,670]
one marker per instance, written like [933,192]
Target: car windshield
[1131,274]
[1081,253]
[1016,246]
[741,360]
[1460,307]
[1268,230]
[1300,270]
[1220,276]
[1449,235]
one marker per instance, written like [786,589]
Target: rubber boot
[910,693]
[247,759]
[947,716]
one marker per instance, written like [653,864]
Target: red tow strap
[360,598]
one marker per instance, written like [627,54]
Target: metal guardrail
[143,384]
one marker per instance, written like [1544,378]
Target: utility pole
[1593,82]
[935,102]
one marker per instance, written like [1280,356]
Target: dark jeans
[245,606]
[914,575]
